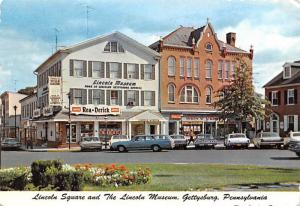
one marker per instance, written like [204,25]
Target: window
[149,98]
[148,72]
[291,96]
[227,69]
[171,93]
[97,97]
[78,68]
[189,94]
[114,97]
[233,70]
[78,96]
[171,66]
[115,71]
[132,71]
[208,94]
[275,95]
[181,66]
[132,98]
[196,68]
[98,70]
[220,70]
[291,122]
[287,72]
[208,47]
[208,69]
[113,47]
[189,67]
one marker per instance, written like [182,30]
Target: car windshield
[205,136]
[89,139]
[296,134]
[269,134]
[177,137]
[9,140]
[237,136]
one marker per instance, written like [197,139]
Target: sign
[36,113]
[206,118]
[95,110]
[54,86]
[47,111]
[113,84]
[175,116]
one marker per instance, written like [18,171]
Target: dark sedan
[206,141]
[180,141]
[10,144]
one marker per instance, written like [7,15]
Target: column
[146,128]
[96,129]
[203,128]
[177,127]
[216,128]
[158,128]
[129,129]
[124,128]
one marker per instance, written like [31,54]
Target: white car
[90,143]
[294,144]
[118,138]
[267,139]
[236,140]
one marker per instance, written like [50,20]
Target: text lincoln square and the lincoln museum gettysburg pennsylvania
[112,84]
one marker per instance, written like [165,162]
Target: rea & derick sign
[95,110]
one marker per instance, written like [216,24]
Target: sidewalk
[45,149]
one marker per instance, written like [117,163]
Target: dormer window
[113,46]
[287,72]
[208,47]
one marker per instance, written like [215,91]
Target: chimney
[230,38]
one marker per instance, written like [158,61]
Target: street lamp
[69,121]
[181,124]
[15,108]
[105,142]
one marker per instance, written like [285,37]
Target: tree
[27,91]
[239,101]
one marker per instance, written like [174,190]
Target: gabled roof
[99,39]
[280,81]
[182,37]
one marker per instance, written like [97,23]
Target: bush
[38,170]
[69,181]
[14,178]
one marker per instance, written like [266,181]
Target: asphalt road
[269,157]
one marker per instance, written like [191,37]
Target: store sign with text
[36,113]
[95,110]
[47,111]
[113,84]
[54,86]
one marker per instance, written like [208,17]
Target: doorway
[73,133]
[152,129]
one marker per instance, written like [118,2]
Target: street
[268,157]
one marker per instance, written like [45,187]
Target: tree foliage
[240,102]
[27,90]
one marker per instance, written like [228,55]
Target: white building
[111,80]
[10,114]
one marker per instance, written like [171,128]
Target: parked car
[286,140]
[145,142]
[10,144]
[294,144]
[267,139]
[205,141]
[90,143]
[118,138]
[236,140]
[180,141]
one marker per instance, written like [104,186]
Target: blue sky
[27,29]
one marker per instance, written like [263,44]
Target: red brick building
[283,91]
[195,64]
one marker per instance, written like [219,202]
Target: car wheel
[155,148]
[298,154]
[121,148]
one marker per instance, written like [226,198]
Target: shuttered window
[97,69]
[148,72]
[79,96]
[131,98]
[115,70]
[149,98]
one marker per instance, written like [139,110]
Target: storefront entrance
[73,133]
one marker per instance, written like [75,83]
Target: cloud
[144,38]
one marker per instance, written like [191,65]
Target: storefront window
[113,128]
[87,129]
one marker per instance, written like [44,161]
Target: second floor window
[227,70]
[208,69]
[208,94]
[181,66]
[189,67]
[132,98]
[220,70]
[148,98]
[189,94]
[78,68]
[79,96]
[114,97]
[291,96]
[196,68]
[171,66]
[171,93]
[233,70]
[275,98]
[96,96]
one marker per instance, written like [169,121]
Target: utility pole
[87,13]
[56,37]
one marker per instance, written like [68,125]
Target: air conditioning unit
[131,104]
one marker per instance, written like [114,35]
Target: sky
[27,29]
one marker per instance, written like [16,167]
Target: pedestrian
[191,138]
